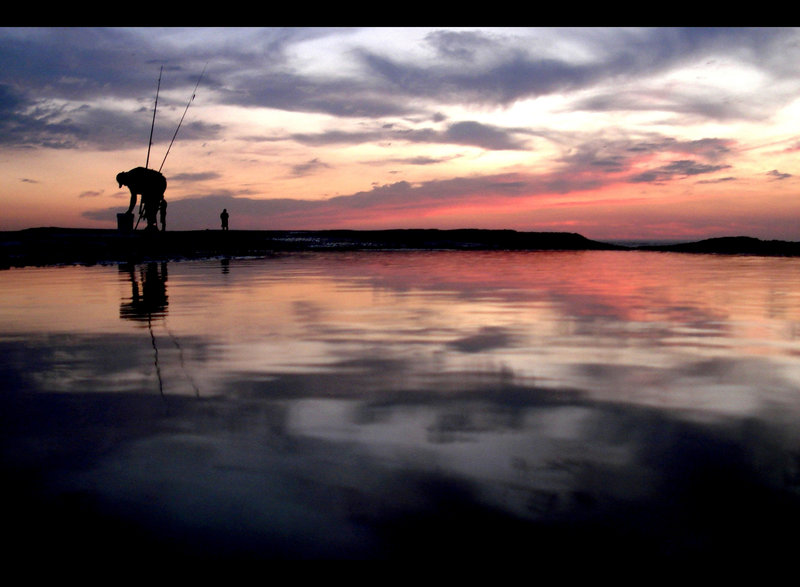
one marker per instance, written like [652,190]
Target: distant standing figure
[224,218]
[162,209]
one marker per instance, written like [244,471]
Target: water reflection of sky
[308,396]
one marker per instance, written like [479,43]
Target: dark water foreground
[238,486]
[562,410]
[216,481]
[47,246]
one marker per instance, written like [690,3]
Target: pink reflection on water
[345,404]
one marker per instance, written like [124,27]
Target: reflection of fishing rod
[180,358]
[150,304]
[184,115]
[155,355]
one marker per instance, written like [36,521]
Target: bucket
[125,222]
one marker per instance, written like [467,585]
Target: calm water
[342,405]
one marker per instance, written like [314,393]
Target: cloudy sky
[611,133]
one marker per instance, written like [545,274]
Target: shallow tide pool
[404,404]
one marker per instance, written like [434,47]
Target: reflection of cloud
[379,446]
[487,339]
[81,364]
[397,475]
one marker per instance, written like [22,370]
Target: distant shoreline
[59,246]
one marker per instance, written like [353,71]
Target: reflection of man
[151,185]
[148,293]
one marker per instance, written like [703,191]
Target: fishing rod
[155,107]
[153,124]
[150,143]
[194,93]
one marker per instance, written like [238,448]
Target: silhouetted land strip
[733,245]
[53,246]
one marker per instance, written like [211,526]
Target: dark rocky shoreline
[56,246]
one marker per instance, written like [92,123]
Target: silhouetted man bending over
[151,185]
[162,208]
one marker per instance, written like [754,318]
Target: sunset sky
[656,133]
